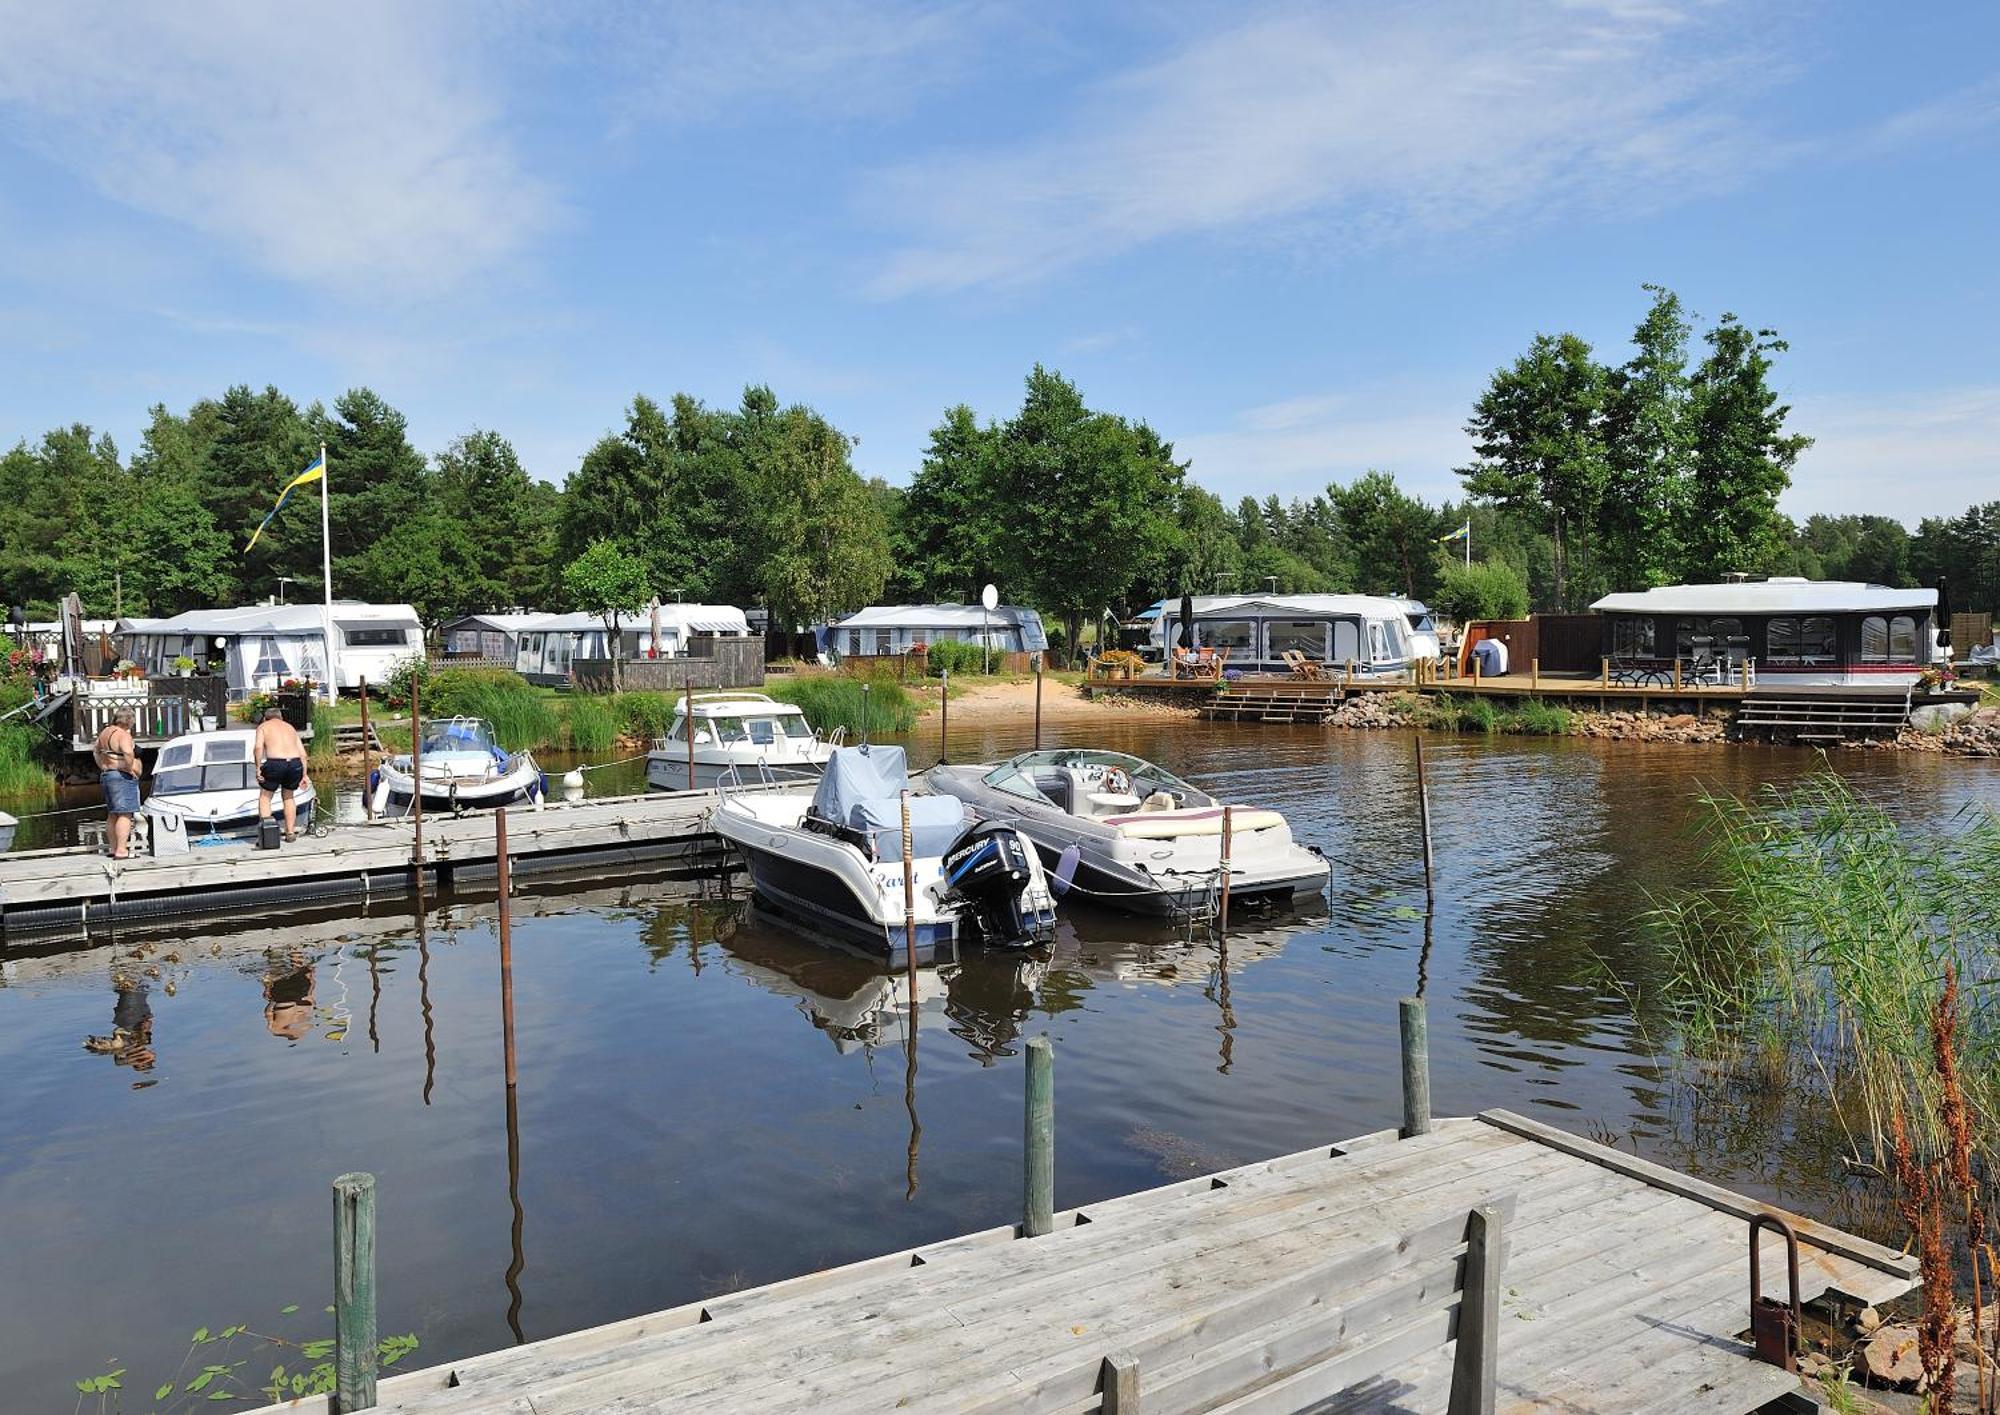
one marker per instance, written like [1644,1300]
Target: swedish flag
[311,474]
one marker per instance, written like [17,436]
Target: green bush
[1536,718]
[414,669]
[644,714]
[592,725]
[1490,589]
[1478,715]
[955,655]
[836,700]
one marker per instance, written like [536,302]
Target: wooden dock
[80,891]
[1341,1277]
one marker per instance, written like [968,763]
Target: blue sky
[1296,238]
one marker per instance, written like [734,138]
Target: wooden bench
[1349,1326]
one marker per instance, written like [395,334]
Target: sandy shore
[1061,702]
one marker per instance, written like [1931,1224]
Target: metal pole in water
[944,716]
[505,868]
[1228,833]
[1424,819]
[367,757]
[909,908]
[1038,1189]
[417,773]
[353,1293]
[689,722]
[1038,702]
[1416,1067]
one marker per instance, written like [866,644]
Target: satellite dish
[989,598]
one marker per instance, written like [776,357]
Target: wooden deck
[1623,1288]
[80,890]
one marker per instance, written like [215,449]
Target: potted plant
[128,669]
[184,666]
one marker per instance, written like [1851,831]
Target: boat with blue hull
[830,854]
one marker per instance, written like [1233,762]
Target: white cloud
[1965,113]
[357,146]
[1297,446]
[1908,455]
[1365,125]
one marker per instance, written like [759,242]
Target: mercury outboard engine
[989,868]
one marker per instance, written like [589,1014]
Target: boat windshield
[461,734]
[216,776]
[1053,775]
[760,731]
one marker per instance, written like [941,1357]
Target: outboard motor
[989,868]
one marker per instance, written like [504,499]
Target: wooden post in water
[367,757]
[353,1293]
[687,682]
[909,907]
[417,774]
[1038,1189]
[944,715]
[1416,1067]
[1228,836]
[1038,702]
[504,866]
[1424,820]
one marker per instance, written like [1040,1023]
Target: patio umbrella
[1187,620]
[654,650]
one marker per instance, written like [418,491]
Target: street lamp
[283,580]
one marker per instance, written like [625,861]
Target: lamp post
[989,599]
[283,580]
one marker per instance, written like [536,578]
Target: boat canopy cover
[862,789]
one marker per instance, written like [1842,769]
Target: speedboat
[742,732]
[830,853]
[463,766]
[1145,841]
[207,781]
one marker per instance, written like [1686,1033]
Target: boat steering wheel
[1117,781]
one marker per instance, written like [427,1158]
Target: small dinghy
[831,854]
[207,783]
[1144,840]
[464,768]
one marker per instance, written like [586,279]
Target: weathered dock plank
[1267,1287]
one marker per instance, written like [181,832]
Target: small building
[550,643]
[1791,630]
[889,630]
[486,638]
[258,647]
[1378,634]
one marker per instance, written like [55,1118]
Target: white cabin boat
[208,782]
[740,732]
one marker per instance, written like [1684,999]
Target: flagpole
[1468,542]
[326,577]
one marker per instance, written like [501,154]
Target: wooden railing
[161,707]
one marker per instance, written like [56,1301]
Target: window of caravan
[1378,647]
[1889,640]
[1306,636]
[1809,640]
[1718,630]
[1346,639]
[374,636]
[270,659]
[1633,637]
[1239,636]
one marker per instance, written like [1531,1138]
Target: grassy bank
[1528,717]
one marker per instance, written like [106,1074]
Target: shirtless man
[118,768]
[281,766]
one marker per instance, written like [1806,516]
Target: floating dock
[78,890]
[1341,1277]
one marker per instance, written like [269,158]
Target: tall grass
[644,715]
[590,724]
[1820,943]
[1535,718]
[522,718]
[833,700]
[22,771]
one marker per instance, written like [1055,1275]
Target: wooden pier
[1488,1263]
[80,891]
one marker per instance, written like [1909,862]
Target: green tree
[1486,589]
[1649,448]
[1392,536]
[821,545]
[65,506]
[479,485]
[611,583]
[1539,438]
[1742,456]
[948,531]
[250,445]
[1964,550]
[376,481]
[432,561]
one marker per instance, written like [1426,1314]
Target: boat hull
[668,770]
[236,815]
[824,901]
[519,784]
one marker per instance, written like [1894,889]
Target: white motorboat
[738,732]
[208,782]
[1146,841]
[831,854]
[463,767]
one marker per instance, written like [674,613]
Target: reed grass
[590,724]
[23,773]
[644,715]
[1825,932]
[835,700]
[523,718]
[1535,718]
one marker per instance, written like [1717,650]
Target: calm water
[707,1101]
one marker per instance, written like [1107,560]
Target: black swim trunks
[281,774]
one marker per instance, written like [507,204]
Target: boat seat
[1169,825]
[1056,786]
[936,822]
